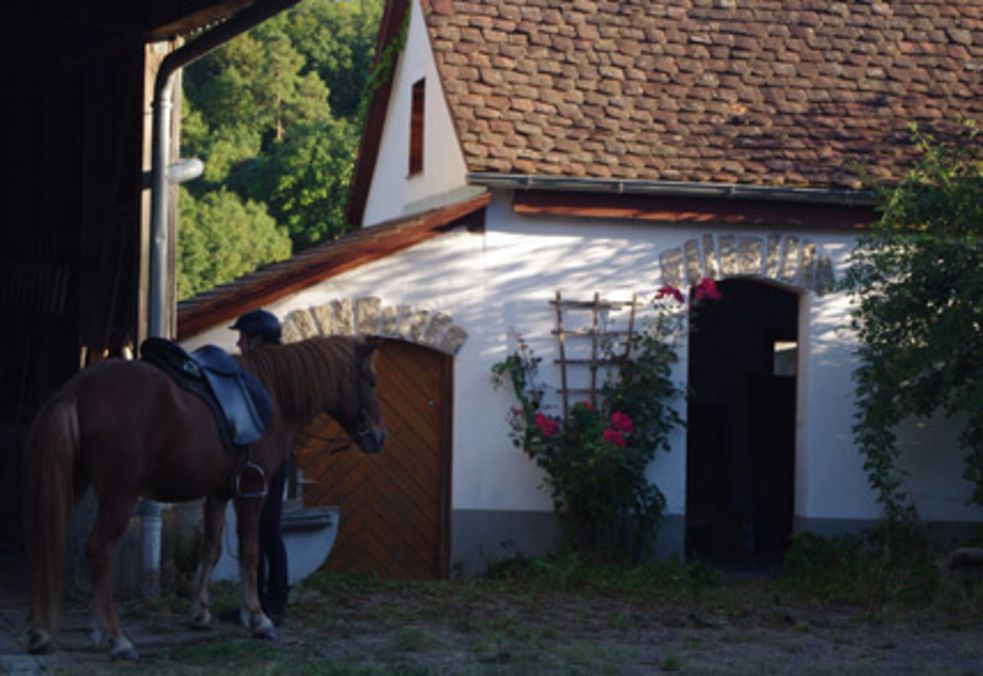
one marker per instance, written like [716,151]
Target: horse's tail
[49,459]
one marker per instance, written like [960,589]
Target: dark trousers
[272,572]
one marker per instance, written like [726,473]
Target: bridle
[364,429]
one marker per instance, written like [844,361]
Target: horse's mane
[306,377]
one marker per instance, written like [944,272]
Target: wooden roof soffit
[693,211]
[182,18]
[394,14]
[321,262]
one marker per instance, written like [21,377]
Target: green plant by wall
[917,281]
[596,460]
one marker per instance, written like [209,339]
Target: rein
[363,414]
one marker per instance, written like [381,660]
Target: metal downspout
[163,103]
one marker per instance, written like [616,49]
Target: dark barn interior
[76,85]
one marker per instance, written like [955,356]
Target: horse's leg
[247,516]
[211,552]
[114,514]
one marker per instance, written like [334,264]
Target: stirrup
[251,466]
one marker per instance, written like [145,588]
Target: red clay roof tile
[802,93]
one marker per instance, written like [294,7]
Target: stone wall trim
[786,259]
[369,316]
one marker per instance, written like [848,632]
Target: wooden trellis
[597,337]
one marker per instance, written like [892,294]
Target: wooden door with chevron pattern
[395,505]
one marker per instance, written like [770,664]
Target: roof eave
[730,191]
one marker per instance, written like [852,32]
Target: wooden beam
[687,211]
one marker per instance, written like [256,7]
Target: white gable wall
[392,189]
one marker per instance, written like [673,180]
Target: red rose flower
[613,436]
[622,422]
[669,290]
[547,426]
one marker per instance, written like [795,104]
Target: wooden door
[394,504]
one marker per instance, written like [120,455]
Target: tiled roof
[805,93]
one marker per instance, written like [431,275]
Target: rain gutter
[724,191]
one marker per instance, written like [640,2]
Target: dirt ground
[487,628]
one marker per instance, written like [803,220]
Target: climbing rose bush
[595,461]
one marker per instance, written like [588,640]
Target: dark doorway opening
[740,459]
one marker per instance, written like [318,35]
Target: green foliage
[223,237]
[596,460]
[917,278]
[881,570]
[338,40]
[311,173]
[273,115]
[257,81]
[382,69]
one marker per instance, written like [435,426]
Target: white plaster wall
[498,283]
[443,163]
[830,480]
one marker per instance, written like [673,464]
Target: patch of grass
[880,571]
[574,572]
[595,657]
[416,639]
[671,663]
[339,584]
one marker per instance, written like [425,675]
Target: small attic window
[416,127]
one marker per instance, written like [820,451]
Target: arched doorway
[395,505]
[740,481]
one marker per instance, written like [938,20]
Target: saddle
[239,402]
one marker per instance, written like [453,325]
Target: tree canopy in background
[917,278]
[273,115]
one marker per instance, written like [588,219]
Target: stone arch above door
[368,316]
[786,259]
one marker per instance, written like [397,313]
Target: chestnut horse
[126,429]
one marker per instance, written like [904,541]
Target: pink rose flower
[622,422]
[668,290]
[707,290]
[613,436]
[547,426]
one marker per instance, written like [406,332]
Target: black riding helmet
[259,323]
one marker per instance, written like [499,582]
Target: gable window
[416,128]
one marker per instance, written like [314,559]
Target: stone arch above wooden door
[788,260]
[368,316]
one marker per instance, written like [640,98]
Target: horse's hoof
[201,621]
[264,629]
[40,645]
[268,635]
[122,650]
[124,655]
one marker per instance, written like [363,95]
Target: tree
[257,82]
[258,113]
[338,41]
[221,237]
[311,172]
[917,278]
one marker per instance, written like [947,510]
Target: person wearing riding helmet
[258,328]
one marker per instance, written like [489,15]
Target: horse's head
[360,414]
